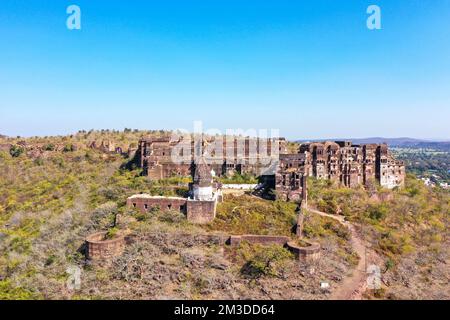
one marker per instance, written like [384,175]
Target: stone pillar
[304,192]
[300,218]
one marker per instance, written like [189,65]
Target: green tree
[15,151]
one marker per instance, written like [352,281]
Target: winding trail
[353,286]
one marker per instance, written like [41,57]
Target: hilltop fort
[349,164]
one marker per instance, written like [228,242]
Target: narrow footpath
[353,286]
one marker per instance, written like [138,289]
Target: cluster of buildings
[163,157]
[349,164]
[434,180]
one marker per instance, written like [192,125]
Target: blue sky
[309,68]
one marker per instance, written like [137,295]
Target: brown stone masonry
[155,155]
[259,239]
[100,249]
[146,203]
[341,161]
[307,253]
[201,212]
[197,211]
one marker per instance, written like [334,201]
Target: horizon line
[172,130]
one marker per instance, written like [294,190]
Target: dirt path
[353,286]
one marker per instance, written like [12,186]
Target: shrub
[15,151]
[172,216]
[39,161]
[112,233]
[389,264]
[103,216]
[140,216]
[266,261]
[377,212]
[239,179]
[49,147]
[69,148]
[10,292]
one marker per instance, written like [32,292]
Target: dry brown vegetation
[407,227]
[50,203]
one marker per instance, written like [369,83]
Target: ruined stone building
[349,164]
[235,154]
[106,146]
[199,207]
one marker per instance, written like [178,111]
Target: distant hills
[396,142]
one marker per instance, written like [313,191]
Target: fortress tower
[201,206]
[202,181]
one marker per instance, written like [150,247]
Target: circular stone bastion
[308,252]
[99,248]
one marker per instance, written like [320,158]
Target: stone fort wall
[235,240]
[197,211]
[201,212]
[145,203]
[154,155]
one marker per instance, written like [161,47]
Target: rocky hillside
[54,191]
[407,228]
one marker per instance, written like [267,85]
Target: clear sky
[309,68]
